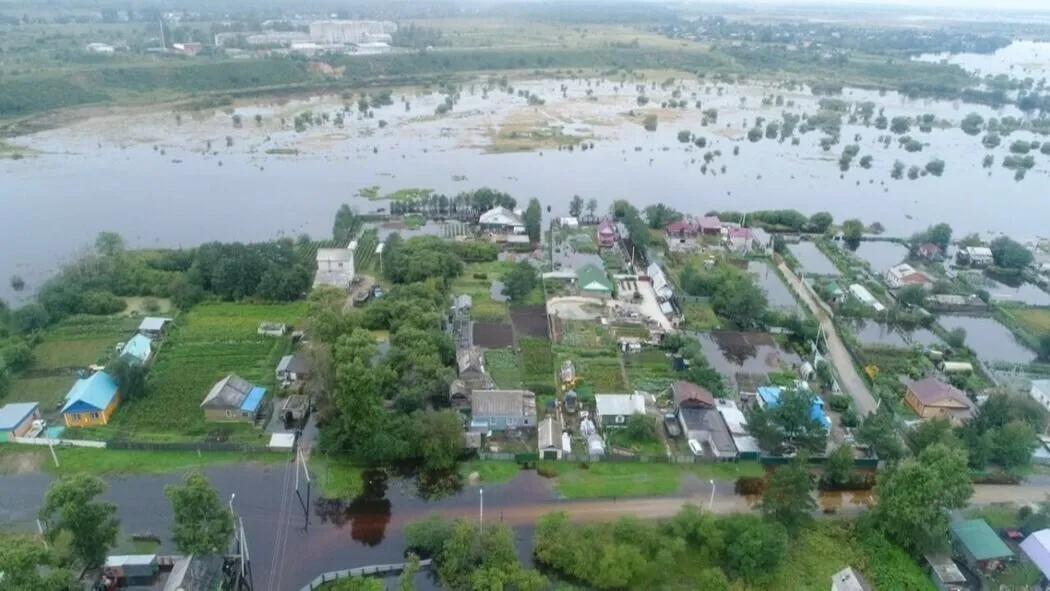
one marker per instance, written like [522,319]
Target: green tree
[471,559]
[438,437]
[879,432]
[1044,346]
[17,283]
[915,496]
[534,219]
[971,124]
[899,125]
[1010,254]
[956,338]
[930,432]
[640,427]
[27,566]
[650,122]
[1012,445]
[659,215]
[912,295]
[406,580]
[852,230]
[592,206]
[838,469]
[109,244]
[739,300]
[821,221]
[935,167]
[70,506]
[787,498]
[520,281]
[130,376]
[576,206]
[346,225]
[789,422]
[202,524]
[30,318]
[753,547]
[685,136]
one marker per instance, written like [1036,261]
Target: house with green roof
[977,544]
[593,281]
[91,401]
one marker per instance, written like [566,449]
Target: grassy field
[47,391]
[208,343]
[1028,323]
[491,472]
[700,316]
[516,33]
[602,373]
[80,341]
[111,462]
[613,479]
[537,359]
[470,282]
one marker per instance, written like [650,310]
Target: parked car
[696,448]
[377,292]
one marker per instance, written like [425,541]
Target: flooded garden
[812,260]
[991,341]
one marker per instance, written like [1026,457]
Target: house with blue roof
[233,399]
[770,396]
[91,401]
[138,350]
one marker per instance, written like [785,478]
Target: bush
[547,471]
[750,485]
[839,402]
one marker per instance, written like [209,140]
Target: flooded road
[127,171]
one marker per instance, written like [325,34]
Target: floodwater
[363,532]
[128,170]
[1026,293]
[1020,59]
[881,255]
[730,353]
[990,340]
[875,333]
[813,261]
[778,294]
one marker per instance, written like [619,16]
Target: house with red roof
[709,225]
[606,234]
[681,229]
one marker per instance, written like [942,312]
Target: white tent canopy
[1037,548]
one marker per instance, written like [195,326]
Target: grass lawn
[108,462]
[208,343]
[1034,320]
[47,391]
[80,341]
[491,471]
[602,373]
[614,479]
[726,470]
[652,447]
[700,316]
[476,281]
[503,366]
[828,546]
[537,359]
[998,516]
[336,477]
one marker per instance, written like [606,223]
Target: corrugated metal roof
[97,391]
[12,415]
[980,540]
[252,400]
[619,404]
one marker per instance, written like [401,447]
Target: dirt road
[837,352]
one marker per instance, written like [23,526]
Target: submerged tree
[202,524]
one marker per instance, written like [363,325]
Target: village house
[705,429]
[612,410]
[739,239]
[335,266]
[681,230]
[709,226]
[975,256]
[930,252]
[292,368]
[91,401]
[593,282]
[903,275]
[470,365]
[978,546]
[502,410]
[16,419]
[233,399]
[137,350]
[153,326]
[606,234]
[931,398]
[501,220]
[549,439]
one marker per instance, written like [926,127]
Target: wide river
[147,176]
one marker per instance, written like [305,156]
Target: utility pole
[711,501]
[481,509]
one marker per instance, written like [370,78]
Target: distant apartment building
[339,32]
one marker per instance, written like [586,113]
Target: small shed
[978,544]
[549,439]
[16,419]
[848,579]
[153,326]
[947,576]
[272,329]
[131,569]
[613,409]
[293,368]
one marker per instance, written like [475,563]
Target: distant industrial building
[340,32]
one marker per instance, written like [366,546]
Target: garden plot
[79,341]
[530,321]
[584,334]
[537,360]
[504,368]
[493,335]
[649,370]
[212,341]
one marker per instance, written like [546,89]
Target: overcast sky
[964,4]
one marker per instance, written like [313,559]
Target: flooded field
[990,340]
[732,353]
[123,169]
[1020,59]
[874,333]
[779,295]
[881,255]
[812,260]
[1026,293]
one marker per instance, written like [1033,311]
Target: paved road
[837,352]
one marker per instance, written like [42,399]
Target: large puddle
[732,353]
[812,260]
[874,333]
[125,170]
[989,339]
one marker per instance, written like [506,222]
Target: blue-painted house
[91,401]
